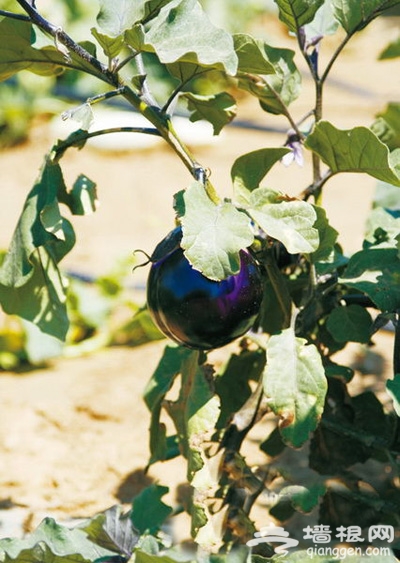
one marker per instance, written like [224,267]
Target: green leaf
[111,46]
[232,382]
[160,383]
[376,272]
[31,285]
[83,196]
[184,32]
[350,324]
[302,498]
[387,126]
[296,13]
[218,109]
[252,55]
[354,15]
[249,169]
[296,387]
[119,15]
[354,150]
[275,91]
[144,557]
[113,530]
[52,543]
[323,23]
[149,512]
[393,389]
[387,196]
[24,48]
[213,234]
[186,71]
[383,227]
[290,222]
[391,51]
[327,236]
[17,53]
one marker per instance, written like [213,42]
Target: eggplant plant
[259,270]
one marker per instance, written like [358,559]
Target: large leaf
[376,272]
[218,109]
[275,91]
[252,54]
[52,543]
[296,386]
[116,16]
[17,53]
[354,15]
[289,221]
[249,169]
[24,47]
[296,13]
[31,284]
[213,234]
[184,33]
[355,150]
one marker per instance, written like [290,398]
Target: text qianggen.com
[343,552]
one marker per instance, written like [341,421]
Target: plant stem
[165,127]
[60,36]
[396,349]
[76,139]
[13,16]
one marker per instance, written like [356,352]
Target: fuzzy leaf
[52,543]
[119,15]
[296,387]
[249,169]
[184,32]
[291,222]
[218,109]
[354,15]
[355,150]
[296,13]
[213,234]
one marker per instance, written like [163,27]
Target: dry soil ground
[73,436]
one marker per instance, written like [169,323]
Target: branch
[79,137]
[13,16]
[61,37]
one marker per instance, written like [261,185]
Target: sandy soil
[73,437]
